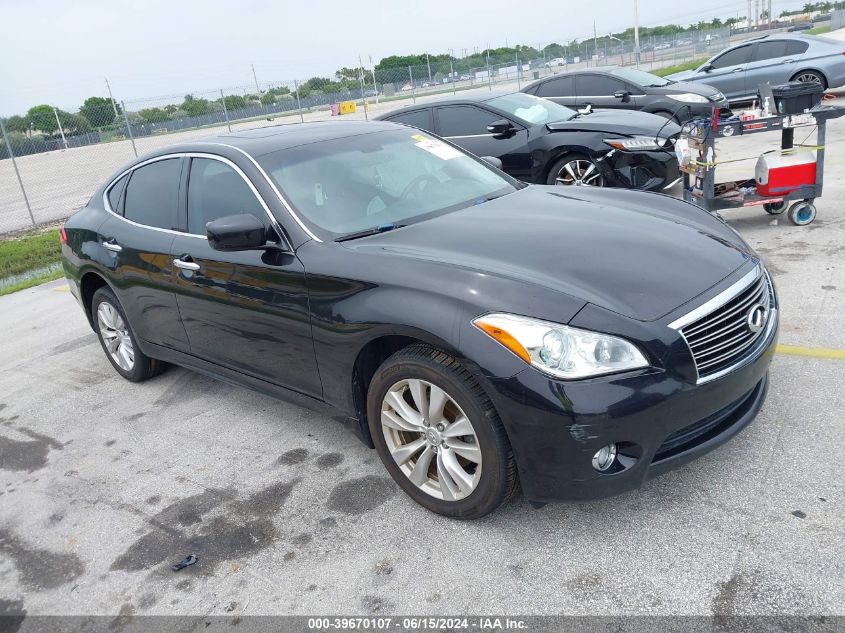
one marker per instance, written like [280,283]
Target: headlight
[637,143]
[559,350]
[688,97]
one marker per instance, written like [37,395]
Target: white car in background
[557,61]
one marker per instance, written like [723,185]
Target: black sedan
[630,89]
[541,142]
[477,331]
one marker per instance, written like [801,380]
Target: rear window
[115,193]
[418,118]
[152,195]
[560,87]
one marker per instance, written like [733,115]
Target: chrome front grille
[722,333]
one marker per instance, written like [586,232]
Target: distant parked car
[801,26]
[406,88]
[556,61]
[662,47]
[372,93]
[541,142]
[629,89]
[739,70]
[465,78]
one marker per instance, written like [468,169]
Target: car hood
[624,122]
[685,76]
[638,254]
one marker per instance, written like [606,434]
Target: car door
[466,126]
[245,310]
[600,90]
[136,241]
[560,90]
[771,62]
[727,72]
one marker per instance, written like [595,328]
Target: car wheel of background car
[802,213]
[576,169]
[438,435]
[808,77]
[775,208]
[118,341]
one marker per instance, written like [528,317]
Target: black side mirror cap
[624,95]
[706,68]
[502,127]
[242,232]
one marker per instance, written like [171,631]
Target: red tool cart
[793,174]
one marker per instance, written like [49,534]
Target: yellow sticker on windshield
[418,137]
[439,149]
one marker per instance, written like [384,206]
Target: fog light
[604,458]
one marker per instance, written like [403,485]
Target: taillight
[62,236]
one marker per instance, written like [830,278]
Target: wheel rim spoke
[417,389]
[459,427]
[448,488]
[419,473]
[568,168]
[397,402]
[456,472]
[466,450]
[406,452]
[437,402]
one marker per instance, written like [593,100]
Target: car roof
[263,140]
[480,97]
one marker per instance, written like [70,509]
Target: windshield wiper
[381,228]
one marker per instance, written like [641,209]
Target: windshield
[640,77]
[395,177]
[531,109]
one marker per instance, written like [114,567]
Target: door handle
[185,265]
[737,70]
[787,61]
[111,245]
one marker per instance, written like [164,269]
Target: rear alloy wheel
[810,77]
[117,339]
[576,170]
[438,435]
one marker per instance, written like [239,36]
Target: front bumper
[648,171]
[658,420]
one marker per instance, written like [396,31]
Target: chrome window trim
[274,188]
[222,159]
[719,300]
[469,136]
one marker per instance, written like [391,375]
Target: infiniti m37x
[481,334]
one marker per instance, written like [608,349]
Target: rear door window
[796,47]
[560,87]
[771,49]
[115,192]
[152,195]
[418,118]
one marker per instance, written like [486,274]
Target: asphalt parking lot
[105,484]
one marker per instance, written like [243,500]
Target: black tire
[498,479]
[143,367]
[775,208]
[810,76]
[558,165]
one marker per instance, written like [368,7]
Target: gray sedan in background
[775,59]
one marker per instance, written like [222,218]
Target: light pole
[637,33]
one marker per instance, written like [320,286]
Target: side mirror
[500,128]
[706,68]
[493,161]
[624,95]
[242,232]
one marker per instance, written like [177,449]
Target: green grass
[30,251]
[29,283]
[818,30]
[662,72]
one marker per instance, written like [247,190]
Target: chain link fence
[51,161]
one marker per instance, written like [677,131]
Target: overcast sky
[59,52]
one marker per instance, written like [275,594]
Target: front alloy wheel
[431,439]
[577,171]
[433,427]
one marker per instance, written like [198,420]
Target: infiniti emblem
[756,318]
